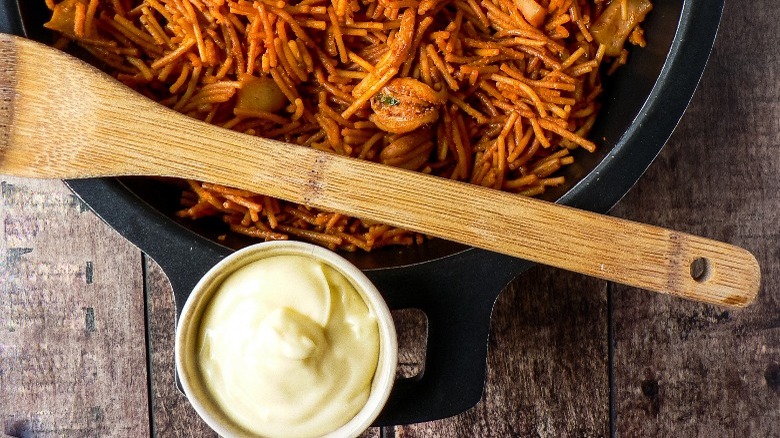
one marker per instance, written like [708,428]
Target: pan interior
[624,96]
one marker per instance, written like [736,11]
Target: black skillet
[455,286]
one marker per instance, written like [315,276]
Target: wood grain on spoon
[62,118]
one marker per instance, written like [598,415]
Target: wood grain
[548,370]
[172,414]
[72,131]
[684,369]
[72,350]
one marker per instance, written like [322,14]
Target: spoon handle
[618,250]
[85,124]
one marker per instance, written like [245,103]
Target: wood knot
[772,376]
[650,388]
[19,429]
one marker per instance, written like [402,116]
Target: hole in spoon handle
[715,273]
[701,269]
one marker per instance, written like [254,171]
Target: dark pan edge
[614,177]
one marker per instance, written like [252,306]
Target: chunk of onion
[260,94]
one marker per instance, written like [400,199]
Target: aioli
[288,347]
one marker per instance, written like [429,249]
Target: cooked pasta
[492,92]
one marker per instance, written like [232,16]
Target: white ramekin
[189,324]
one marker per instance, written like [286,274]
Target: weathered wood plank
[72,351]
[547,363]
[173,416]
[684,369]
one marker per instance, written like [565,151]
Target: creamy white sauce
[288,347]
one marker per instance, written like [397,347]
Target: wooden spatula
[62,118]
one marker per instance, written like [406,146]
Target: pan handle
[457,295]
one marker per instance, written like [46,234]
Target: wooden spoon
[62,118]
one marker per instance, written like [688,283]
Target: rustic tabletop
[87,320]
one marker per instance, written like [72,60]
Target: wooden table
[87,320]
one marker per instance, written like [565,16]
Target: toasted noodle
[515,87]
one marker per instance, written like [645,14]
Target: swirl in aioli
[288,347]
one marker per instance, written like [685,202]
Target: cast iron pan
[455,286]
